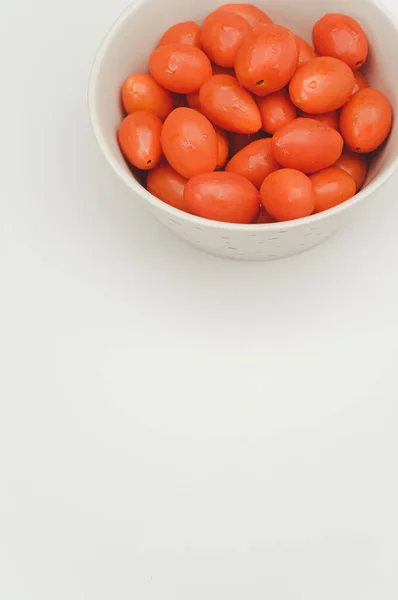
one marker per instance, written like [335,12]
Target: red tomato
[255,162]
[229,106]
[287,195]
[253,15]
[222,34]
[189,142]
[263,218]
[238,141]
[360,82]
[355,165]
[307,145]
[223,148]
[342,37]
[183,33]
[306,53]
[267,59]
[141,92]
[366,120]
[322,85]
[139,139]
[332,187]
[221,196]
[179,68]
[276,111]
[331,119]
[167,185]
[193,100]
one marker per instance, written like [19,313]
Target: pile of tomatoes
[242,121]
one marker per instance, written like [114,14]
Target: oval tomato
[229,106]
[355,165]
[180,68]
[139,139]
[167,185]
[255,162]
[366,120]
[267,59]
[253,15]
[187,33]
[223,148]
[287,195]
[223,33]
[221,196]
[331,119]
[141,92]
[307,145]
[189,142]
[276,111]
[342,37]
[306,53]
[360,82]
[322,85]
[332,187]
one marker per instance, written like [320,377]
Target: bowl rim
[135,186]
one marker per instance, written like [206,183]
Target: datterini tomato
[253,15]
[355,165]
[306,53]
[288,194]
[139,139]
[332,187]
[187,33]
[330,118]
[341,36]
[276,111]
[360,82]
[222,196]
[141,92]
[180,68]
[223,33]
[267,59]
[255,162]
[223,148]
[189,142]
[167,185]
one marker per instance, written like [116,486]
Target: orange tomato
[222,196]
[223,148]
[167,185]
[180,68]
[360,82]
[366,120]
[263,218]
[323,84]
[332,187]
[193,100]
[182,33]
[276,111]
[139,139]
[255,162]
[267,59]
[306,53]
[253,15]
[342,37]
[307,145]
[223,33]
[229,106]
[355,165]
[331,119]
[287,195]
[189,142]
[141,92]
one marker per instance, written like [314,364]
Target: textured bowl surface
[126,49]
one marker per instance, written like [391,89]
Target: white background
[174,426]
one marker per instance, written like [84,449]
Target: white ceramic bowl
[126,50]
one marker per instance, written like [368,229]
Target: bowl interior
[128,45]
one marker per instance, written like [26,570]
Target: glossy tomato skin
[229,106]
[187,33]
[276,111]
[360,82]
[180,68]
[139,139]
[341,36]
[307,145]
[306,53]
[253,15]
[222,196]
[255,162]
[321,85]
[331,119]
[223,148]
[332,187]
[366,120]
[267,59]
[355,165]
[167,185]
[287,195]
[189,142]
[141,92]
[223,33]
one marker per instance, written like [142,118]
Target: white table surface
[174,426]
